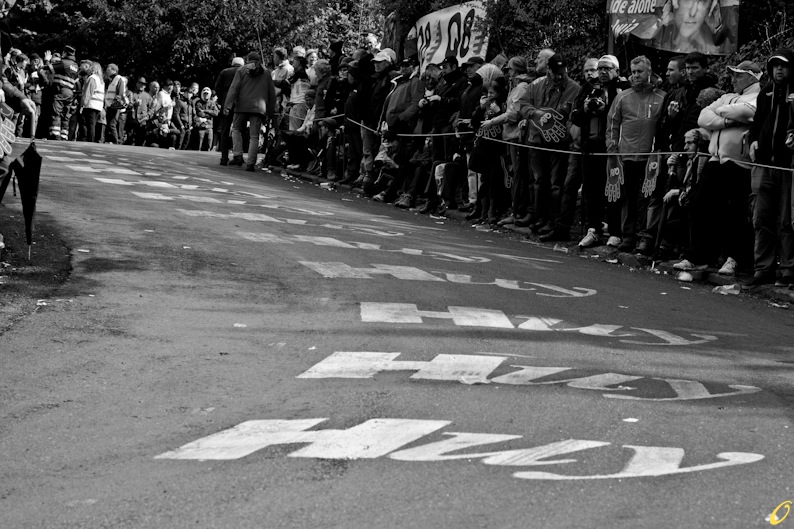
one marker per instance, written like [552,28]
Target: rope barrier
[564,151]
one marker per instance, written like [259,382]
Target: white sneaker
[688,265]
[590,240]
[729,268]
[614,241]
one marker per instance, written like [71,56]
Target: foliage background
[192,40]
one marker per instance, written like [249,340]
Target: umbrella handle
[33,127]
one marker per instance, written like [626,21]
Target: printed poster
[458,30]
[679,26]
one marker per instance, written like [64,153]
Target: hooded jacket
[511,118]
[771,117]
[252,91]
[401,110]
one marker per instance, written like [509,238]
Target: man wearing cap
[140,106]
[680,112]
[252,99]
[224,121]
[772,187]
[718,219]
[469,101]
[64,76]
[372,106]
[590,115]
[547,106]
[445,102]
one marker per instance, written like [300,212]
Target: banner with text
[458,30]
[680,26]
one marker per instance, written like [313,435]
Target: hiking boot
[404,202]
[224,161]
[758,280]
[546,228]
[627,245]
[728,268]
[250,167]
[688,266]
[525,222]
[429,207]
[614,241]
[645,247]
[237,160]
[591,239]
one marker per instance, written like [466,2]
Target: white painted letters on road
[385,437]
[477,368]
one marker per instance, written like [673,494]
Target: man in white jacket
[719,219]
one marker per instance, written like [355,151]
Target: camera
[595,100]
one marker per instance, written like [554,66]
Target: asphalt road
[242,349]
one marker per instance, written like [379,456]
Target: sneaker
[785,282]
[729,268]
[510,219]
[590,240]
[525,222]
[293,167]
[757,281]
[614,241]
[688,266]
[404,202]
[380,197]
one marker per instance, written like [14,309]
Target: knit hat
[611,59]
[238,61]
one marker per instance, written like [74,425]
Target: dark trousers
[522,188]
[298,149]
[772,220]
[549,169]
[594,180]
[570,192]
[653,214]
[719,222]
[633,175]
[114,133]
[225,130]
[90,117]
[355,151]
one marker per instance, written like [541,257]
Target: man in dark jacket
[680,113]
[252,98]
[772,187]
[469,101]
[372,105]
[445,103]
[64,76]
[224,122]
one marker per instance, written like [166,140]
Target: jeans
[772,220]
[550,169]
[254,124]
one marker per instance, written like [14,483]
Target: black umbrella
[5,179]
[27,169]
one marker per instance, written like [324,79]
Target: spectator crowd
[671,167]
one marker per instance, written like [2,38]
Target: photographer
[590,114]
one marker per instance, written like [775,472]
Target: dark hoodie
[771,116]
[671,129]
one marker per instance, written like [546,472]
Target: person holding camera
[590,114]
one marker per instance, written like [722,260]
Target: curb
[781,296]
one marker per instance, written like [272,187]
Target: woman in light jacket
[93,101]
